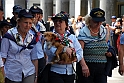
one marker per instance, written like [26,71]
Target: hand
[35,81]
[69,51]
[121,69]
[108,54]
[85,71]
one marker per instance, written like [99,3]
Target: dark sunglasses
[16,13]
[57,20]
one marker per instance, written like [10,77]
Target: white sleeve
[1,62]
[42,27]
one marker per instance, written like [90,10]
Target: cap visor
[99,19]
[16,11]
[35,11]
[28,16]
[53,18]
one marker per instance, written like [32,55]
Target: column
[42,6]
[8,8]
[107,5]
[58,6]
[54,7]
[103,4]
[77,8]
[22,3]
[72,7]
[89,6]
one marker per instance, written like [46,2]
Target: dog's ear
[54,35]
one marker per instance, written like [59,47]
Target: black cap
[5,22]
[34,9]
[97,14]
[63,12]
[60,16]
[40,10]
[17,8]
[1,8]
[25,13]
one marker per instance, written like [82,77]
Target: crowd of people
[24,53]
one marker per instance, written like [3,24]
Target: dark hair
[104,24]
[119,20]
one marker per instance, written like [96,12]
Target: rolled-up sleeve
[1,62]
[37,50]
[34,53]
[79,50]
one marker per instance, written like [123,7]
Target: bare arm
[108,32]
[35,62]
[120,57]
[85,69]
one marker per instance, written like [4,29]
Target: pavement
[116,77]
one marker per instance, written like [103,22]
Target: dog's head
[49,36]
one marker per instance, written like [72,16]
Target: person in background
[37,25]
[121,52]
[18,51]
[41,17]
[5,25]
[113,20]
[118,31]
[73,23]
[37,30]
[112,28]
[62,72]
[50,21]
[79,25]
[93,40]
[15,12]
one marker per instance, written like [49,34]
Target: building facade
[73,7]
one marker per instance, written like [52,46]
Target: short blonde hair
[87,19]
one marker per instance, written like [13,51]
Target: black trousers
[41,64]
[60,78]
[114,42]
[97,73]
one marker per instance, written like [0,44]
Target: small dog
[53,40]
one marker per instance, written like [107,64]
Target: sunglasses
[16,13]
[57,20]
